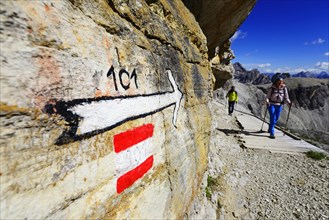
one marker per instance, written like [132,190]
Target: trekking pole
[264,118]
[288,116]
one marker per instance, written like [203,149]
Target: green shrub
[208,193]
[210,181]
[315,155]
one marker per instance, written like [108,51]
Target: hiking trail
[251,176]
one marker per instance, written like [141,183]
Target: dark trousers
[231,106]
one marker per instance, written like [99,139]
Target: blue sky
[284,36]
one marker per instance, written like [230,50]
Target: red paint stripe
[127,179]
[131,137]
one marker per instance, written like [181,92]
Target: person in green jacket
[232,96]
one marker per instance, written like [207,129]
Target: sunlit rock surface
[103,108]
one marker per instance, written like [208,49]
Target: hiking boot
[272,136]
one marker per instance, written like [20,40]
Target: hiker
[232,96]
[277,95]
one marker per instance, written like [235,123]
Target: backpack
[277,95]
[230,95]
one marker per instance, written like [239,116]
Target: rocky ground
[257,184]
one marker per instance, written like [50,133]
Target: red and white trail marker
[134,156]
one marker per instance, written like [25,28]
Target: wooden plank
[285,142]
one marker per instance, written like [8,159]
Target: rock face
[219,19]
[104,107]
[221,65]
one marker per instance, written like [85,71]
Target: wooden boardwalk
[253,137]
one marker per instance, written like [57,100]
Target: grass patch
[211,181]
[208,192]
[315,155]
[211,185]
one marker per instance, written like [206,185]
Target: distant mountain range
[307,74]
[255,77]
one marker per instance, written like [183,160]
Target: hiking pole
[225,104]
[287,119]
[264,118]
[288,115]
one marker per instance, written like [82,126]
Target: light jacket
[277,96]
[232,96]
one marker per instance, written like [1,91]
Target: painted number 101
[124,78]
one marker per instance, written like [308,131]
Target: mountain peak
[253,76]
[238,67]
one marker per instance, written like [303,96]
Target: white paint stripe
[102,114]
[133,156]
[106,113]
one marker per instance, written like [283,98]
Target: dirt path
[257,184]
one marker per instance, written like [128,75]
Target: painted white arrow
[104,114]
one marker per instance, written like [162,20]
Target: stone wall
[103,109]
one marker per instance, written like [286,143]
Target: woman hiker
[277,95]
[232,96]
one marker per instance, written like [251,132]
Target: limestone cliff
[219,19]
[104,108]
